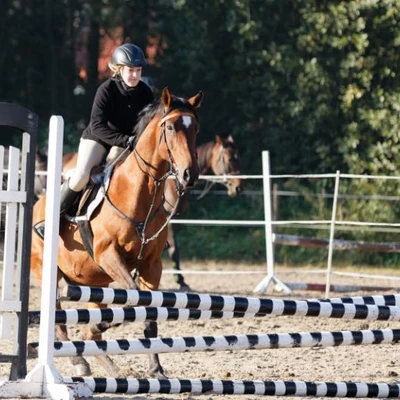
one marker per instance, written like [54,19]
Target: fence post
[332,236]
[269,245]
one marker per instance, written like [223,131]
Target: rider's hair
[116,69]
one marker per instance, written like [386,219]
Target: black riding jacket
[115,112]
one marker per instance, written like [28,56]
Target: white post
[8,320]
[45,371]
[269,245]
[332,236]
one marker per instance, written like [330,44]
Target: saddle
[88,201]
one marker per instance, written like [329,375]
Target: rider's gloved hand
[130,142]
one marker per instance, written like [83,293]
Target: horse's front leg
[114,265]
[94,332]
[81,366]
[149,279]
[173,252]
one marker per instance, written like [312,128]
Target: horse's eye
[170,127]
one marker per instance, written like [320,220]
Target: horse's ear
[230,139]
[166,97]
[218,140]
[195,101]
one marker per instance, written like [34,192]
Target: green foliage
[314,82]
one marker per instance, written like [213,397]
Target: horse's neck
[134,180]
[146,158]
[204,152]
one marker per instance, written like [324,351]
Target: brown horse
[128,226]
[219,157]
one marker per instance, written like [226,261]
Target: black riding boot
[68,197]
[67,200]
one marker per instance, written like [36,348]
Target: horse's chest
[143,237]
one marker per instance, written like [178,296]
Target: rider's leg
[90,154]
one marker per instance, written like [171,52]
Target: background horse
[128,226]
[218,157]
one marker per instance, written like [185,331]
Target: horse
[220,157]
[128,226]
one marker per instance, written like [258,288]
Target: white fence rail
[333,224]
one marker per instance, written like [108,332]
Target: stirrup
[39,230]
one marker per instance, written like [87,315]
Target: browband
[175,113]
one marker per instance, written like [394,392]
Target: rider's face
[131,75]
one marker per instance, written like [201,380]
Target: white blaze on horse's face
[187,121]
[180,139]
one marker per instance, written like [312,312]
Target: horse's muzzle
[190,176]
[233,187]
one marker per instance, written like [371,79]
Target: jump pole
[298,308]
[198,301]
[262,388]
[224,343]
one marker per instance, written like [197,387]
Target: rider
[115,110]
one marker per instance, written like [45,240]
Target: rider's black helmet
[130,55]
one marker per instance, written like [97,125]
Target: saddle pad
[92,206]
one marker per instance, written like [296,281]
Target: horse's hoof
[158,375]
[184,287]
[82,370]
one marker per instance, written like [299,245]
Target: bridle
[141,226]
[225,170]
[224,181]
